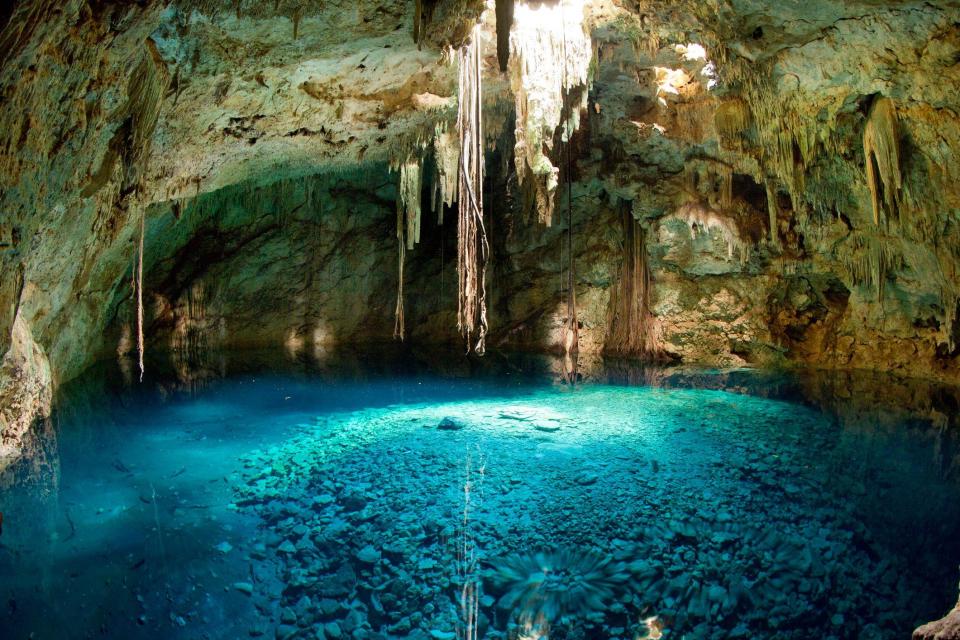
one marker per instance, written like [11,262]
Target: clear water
[378,498]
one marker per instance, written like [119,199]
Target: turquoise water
[375,497]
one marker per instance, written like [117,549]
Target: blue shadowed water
[379,496]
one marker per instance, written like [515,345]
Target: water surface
[379,496]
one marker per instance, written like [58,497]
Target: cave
[480,319]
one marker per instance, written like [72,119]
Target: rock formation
[945,629]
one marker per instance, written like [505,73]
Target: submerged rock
[449,424]
[586,478]
[339,584]
[368,555]
[547,427]
[328,607]
[354,501]
[243,587]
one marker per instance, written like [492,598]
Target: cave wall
[309,263]
[110,108]
[77,119]
[765,242]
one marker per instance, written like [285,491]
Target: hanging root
[399,329]
[472,247]
[140,296]
[631,323]
[572,339]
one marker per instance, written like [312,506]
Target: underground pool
[486,499]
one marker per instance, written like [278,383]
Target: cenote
[336,498]
[480,319]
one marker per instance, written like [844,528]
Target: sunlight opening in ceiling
[691,51]
[709,71]
[550,54]
[670,81]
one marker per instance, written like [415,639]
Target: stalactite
[419,22]
[550,58]
[732,120]
[472,246]
[408,230]
[149,81]
[881,152]
[504,12]
[788,137]
[692,118]
[725,176]
[446,153]
[631,323]
[702,219]
[950,301]
[140,341]
[22,21]
[710,180]
[867,259]
[191,333]
[408,201]
[773,211]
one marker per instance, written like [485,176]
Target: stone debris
[733,533]
[449,424]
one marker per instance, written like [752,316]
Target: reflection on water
[421,495]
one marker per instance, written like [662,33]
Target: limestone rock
[947,628]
